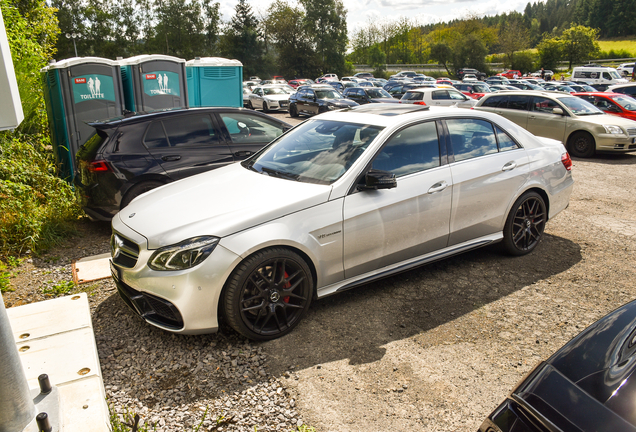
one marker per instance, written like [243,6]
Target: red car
[611,103]
[444,81]
[300,81]
[510,74]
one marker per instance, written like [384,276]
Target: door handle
[438,187]
[509,166]
[532,117]
[171,158]
[242,153]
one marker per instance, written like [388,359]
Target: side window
[413,96]
[440,95]
[455,95]
[471,138]
[606,76]
[496,102]
[518,102]
[191,130]
[544,105]
[156,136]
[505,142]
[413,149]
[244,128]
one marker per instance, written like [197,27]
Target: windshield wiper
[280,174]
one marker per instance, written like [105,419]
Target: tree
[242,40]
[523,61]
[295,56]
[442,54]
[513,37]
[377,60]
[326,24]
[579,44]
[550,51]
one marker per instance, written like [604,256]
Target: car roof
[142,116]
[548,94]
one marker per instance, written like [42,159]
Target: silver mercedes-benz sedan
[338,201]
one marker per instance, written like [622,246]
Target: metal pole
[75,46]
[16,406]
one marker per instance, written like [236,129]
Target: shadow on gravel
[611,159]
[355,324]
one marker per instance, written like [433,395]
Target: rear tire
[293,112]
[137,190]
[525,224]
[581,144]
[265,107]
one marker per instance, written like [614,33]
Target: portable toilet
[215,81]
[77,90]
[153,82]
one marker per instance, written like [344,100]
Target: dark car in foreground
[587,385]
[317,99]
[128,156]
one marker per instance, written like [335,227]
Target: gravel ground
[437,348]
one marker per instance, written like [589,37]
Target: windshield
[615,75]
[273,91]
[481,88]
[328,94]
[579,106]
[375,93]
[626,102]
[317,151]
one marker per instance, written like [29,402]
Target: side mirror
[378,179]
[558,111]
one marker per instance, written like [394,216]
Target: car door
[187,144]
[248,133]
[543,122]
[257,98]
[384,227]
[488,168]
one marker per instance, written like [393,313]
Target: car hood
[218,203]
[602,359]
[607,119]
[384,100]
[340,102]
[277,97]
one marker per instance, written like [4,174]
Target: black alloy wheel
[581,144]
[267,294]
[525,224]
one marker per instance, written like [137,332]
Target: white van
[597,75]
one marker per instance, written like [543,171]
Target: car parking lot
[436,348]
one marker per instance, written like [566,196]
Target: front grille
[632,146]
[151,308]
[631,131]
[124,252]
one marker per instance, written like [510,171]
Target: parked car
[612,103]
[246,96]
[130,155]
[500,80]
[625,69]
[525,86]
[557,87]
[397,90]
[341,200]
[582,88]
[367,95]
[511,73]
[547,74]
[444,80]
[316,99]
[587,385]
[328,77]
[271,97]
[299,81]
[594,74]
[580,125]
[469,77]
[464,71]
[438,97]
[475,90]
[404,74]
[628,89]
[498,87]
[364,75]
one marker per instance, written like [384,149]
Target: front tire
[582,145]
[265,107]
[525,224]
[267,294]
[293,111]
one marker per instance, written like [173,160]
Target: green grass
[619,45]
[60,288]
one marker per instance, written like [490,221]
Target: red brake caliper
[287,285]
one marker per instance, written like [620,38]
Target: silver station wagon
[338,201]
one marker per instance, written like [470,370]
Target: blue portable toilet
[153,82]
[215,81]
[79,90]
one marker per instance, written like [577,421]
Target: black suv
[130,155]
[316,99]
[464,71]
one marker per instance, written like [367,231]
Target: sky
[359,12]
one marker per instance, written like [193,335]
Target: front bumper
[278,105]
[615,143]
[183,301]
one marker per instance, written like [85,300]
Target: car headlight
[183,255]
[611,129]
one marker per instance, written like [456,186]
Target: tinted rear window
[496,102]
[518,102]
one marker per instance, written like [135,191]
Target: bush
[614,54]
[36,206]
